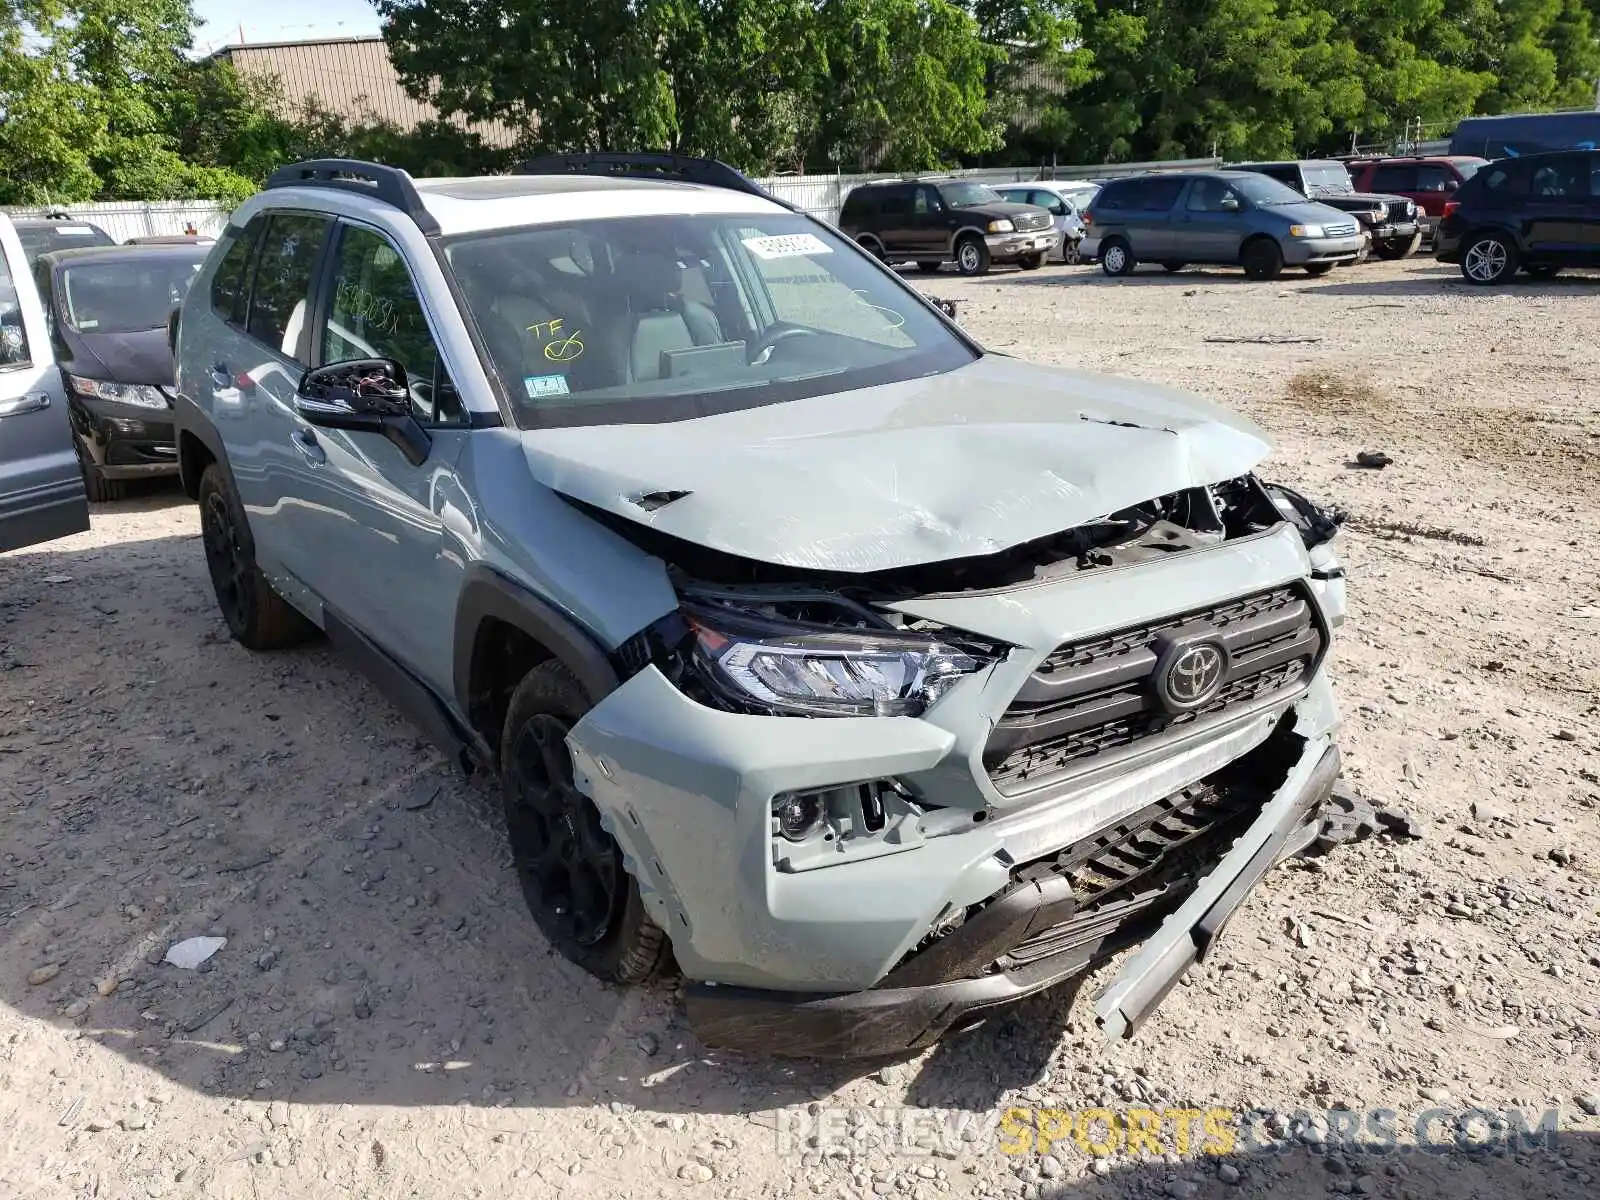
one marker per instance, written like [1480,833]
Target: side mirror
[364,395]
[172,329]
[1451,185]
[1230,204]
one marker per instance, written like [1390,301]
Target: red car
[1429,180]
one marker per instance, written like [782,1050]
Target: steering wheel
[778,333]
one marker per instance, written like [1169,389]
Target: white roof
[498,202]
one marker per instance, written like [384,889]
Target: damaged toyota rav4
[872,679]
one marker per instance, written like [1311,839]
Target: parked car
[1537,214]
[933,221]
[1064,202]
[108,310]
[1428,181]
[172,239]
[1224,217]
[878,679]
[40,235]
[41,488]
[1390,222]
[1520,134]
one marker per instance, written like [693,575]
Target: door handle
[32,402]
[310,449]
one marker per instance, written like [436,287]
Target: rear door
[41,485]
[896,225]
[1150,222]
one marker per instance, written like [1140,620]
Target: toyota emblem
[1194,676]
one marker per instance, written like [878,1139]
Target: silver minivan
[1234,218]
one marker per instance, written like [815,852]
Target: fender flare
[961,233]
[487,594]
[190,419]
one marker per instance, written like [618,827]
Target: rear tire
[1116,258]
[1318,268]
[1070,255]
[1263,260]
[929,268]
[570,868]
[257,616]
[871,245]
[1488,259]
[1030,262]
[1543,270]
[972,256]
[1172,268]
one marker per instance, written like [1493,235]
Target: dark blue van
[1526,133]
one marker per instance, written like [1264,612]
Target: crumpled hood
[971,462]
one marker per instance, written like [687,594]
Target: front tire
[570,868]
[1543,270]
[99,488]
[1030,262]
[929,268]
[1116,258]
[1318,268]
[1263,260]
[1070,255]
[972,256]
[1393,251]
[1488,259]
[257,617]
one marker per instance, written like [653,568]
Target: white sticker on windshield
[74,231]
[787,245]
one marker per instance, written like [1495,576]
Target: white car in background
[1065,200]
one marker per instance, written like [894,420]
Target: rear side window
[1564,178]
[1116,197]
[1158,195]
[230,286]
[281,292]
[1434,177]
[860,203]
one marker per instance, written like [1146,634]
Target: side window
[230,286]
[1207,195]
[896,203]
[281,291]
[1160,194]
[1114,199]
[928,201]
[374,313]
[1560,178]
[13,338]
[1503,180]
[1396,177]
[1432,177]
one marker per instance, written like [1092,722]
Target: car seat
[662,319]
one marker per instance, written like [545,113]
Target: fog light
[798,814]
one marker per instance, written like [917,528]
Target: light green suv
[875,679]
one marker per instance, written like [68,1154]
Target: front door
[373,517]
[41,484]
[1556,227]
[931,221]
[1209,225]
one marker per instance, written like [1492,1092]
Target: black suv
[935,220]
[1539,213]
[1390,221]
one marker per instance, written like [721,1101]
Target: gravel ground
[384,1020]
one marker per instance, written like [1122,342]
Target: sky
[280,21]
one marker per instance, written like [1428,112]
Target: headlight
[1305,231]
[1411,208]
[816,671]
[140,394]
[1001,226]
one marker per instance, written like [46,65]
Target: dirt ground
[385,1021]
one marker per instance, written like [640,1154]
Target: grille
[1397,210]
[1028,222]
[1097,696]
[1340,229]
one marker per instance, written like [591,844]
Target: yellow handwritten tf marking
[546,329]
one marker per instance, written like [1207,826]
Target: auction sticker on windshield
[787,245]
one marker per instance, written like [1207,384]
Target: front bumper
[1007,247]
[892,1019]
[1299,251]
[125,441]
[1394,231]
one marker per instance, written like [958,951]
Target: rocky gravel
[384,1020]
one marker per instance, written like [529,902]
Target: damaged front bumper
[891,1019]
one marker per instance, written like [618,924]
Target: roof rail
[389,184]
[648,164]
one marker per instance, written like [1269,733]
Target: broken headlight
[817,671]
